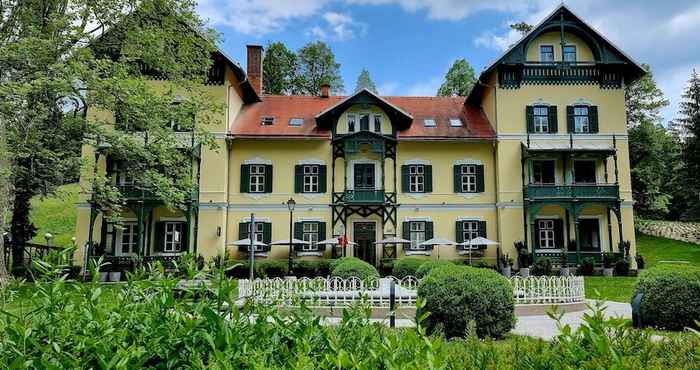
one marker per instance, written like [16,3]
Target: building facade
[536,154]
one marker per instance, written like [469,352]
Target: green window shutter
[267,232]
[536,235]
[480,186]
[243,230]
[321,233]
[184,238]
[530,118]
[553,125]
[457,175]
[298,234]
[245,178]
[298,179]
[428,172]
[593,118]
[459,227]
[159,237]
[404,179]
[559,234]
[322,178]
[406,230]
[570,125]
[428,233]
[268,178]
[482,229]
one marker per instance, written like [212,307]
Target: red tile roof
[283,108]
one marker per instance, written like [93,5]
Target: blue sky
[408,45]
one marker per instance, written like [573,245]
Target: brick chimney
[325,90]
[254,64]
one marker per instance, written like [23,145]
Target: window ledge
[309,253]
[416,195]
[257,196]
[417,253]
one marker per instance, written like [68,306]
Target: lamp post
[290,205]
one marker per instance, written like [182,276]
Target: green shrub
[622,267]
[407,266]
[311,269]
[271,269]
[542,267]
[485,265]
[587,266]
[640,261]
[461,297]
[425,268]
[354,267]
[671,296]
[340,260]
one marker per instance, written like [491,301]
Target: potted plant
[523,258]
[564,262]
[608,264]
[506,265]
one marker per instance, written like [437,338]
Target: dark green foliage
[459,80]
[317,66]
[587,266]
[542,267]
[407,266]
[640,261]
[426,267]
[240,269]
[311,269]
[279,69]
[622,267]
[671,296]
[687,128]
[460,297]
[364,81]
[354,267]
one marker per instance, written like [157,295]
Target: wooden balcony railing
[364,197]
[579,191]
[574,73]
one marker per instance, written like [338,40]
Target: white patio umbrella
[438,241]
[471,243]
[246,242]
[393,240]
[334,241]
[286,242]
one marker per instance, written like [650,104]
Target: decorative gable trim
[257,160]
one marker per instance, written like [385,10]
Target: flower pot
[104,276]
[115,276]
[564,271]
[608,271]
[524,271]
[506,271]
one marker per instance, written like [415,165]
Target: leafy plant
[426,267]
[354,267]
[587,266]
[671,296]
[407,266]
[640,261]
[542,267]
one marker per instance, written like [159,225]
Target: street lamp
[290,205]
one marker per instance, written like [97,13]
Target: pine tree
[644,100]
[688,127]
[459,80]
[364,81]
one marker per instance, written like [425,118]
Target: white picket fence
[548,289]
[333,291]
[376,292]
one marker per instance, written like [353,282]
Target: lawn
[654,250]
[56,215]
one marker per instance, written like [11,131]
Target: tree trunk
[4,199]
[22,229]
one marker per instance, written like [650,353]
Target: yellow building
[537,154]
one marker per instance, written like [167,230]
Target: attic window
[296,121]
[455,122]
[429,122]
[268,121]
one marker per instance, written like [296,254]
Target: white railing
[548,289]
[330,291]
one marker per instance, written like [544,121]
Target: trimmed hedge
[407,266]
[310,269]
[354,267]
[263,268]
[457,296]
[425,268]
[671,296]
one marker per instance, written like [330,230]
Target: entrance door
[589,232]
[365,236]
[364,176]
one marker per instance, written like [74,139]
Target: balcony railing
[364,197]
[574,73]
[579,191]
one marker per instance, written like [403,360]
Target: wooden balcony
[560,73]
[364,197]
[571,192]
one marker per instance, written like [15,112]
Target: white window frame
[173,236]
[563,57]
[582,122]
[257,178]
[470,230]
[311,178]
[310,234]
[416,178]
[417,230]
[128,230]
[296,121]
[352,122]
[429,122]
[456,122]
[540,121]
[547,237]
[468,178]
[541,54]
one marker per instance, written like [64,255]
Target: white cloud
[673,82]
[496,42]
[452,9]
[423,88]
[388,88]
[338,27]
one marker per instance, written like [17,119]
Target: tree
[459,80]
[644,100]
[61,68]
[364,81]
[317,66]
[522,27]
[279,69]
[688,126]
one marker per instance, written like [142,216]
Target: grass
[56,215]
[654,250]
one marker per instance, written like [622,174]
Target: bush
[354,267]
[622,267]
[426,267]
[640,262]
[587,267]
[671,296]
[485,265]
[311,269]
[542,267]
[407,266]
[461,297]
[263,268]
